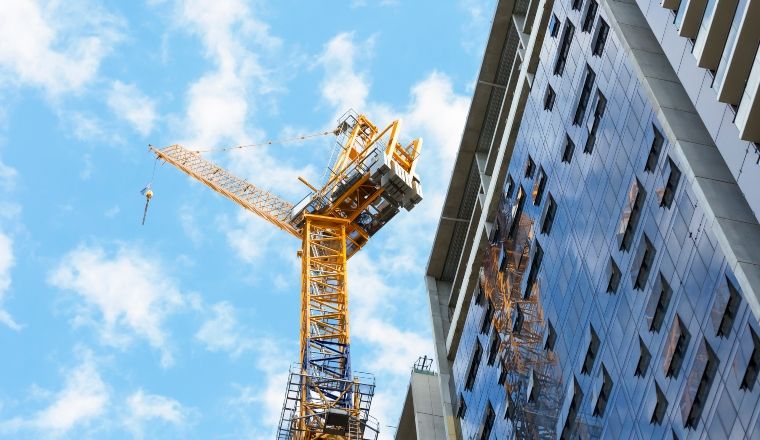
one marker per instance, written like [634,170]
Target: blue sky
[186,327]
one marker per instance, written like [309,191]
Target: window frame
[563,50]
[600,37]
[588,86]
[569,149]
[592,8]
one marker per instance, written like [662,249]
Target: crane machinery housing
[372,177]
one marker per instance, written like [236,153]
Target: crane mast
[370,180]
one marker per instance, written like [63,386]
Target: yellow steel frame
[249,196]
[325,338]
[365,134]
[328,238]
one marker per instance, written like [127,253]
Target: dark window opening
[532,391]
[644,359]
[671,185]
[569,426]
[493,350]
[510,412]
[659,409]
[495,237]
[593,123]
[588,84]
[600,39]
[517,319]
[681,337]
[539,187]
[750,375]
[661,308]
[503,373]
[472,373]
[530,168]
[654,151]
[591,352]
[554,26]
[703,390]
[577,5]
[488,423]
[510,189]
[729,314]
[461,407]
[551,211]
[479,296]
[549,98]
[567,153]
[604,394]
[564,47]
[615,275]
[485,326]
[588,19]
[551,337]
[646,264]
[517,212]
[632,215]
[538,255]
[503,259]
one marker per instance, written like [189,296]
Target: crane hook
[148,193]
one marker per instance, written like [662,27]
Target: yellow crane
[372,177]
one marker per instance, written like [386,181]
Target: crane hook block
[148,193]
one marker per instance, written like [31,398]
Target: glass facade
[615,312]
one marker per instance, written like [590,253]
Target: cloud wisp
[83,398]
[130,104]
[58,46]
[6,263]
[123,294]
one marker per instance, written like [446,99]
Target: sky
[186,327]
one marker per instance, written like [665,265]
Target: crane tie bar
[304,137]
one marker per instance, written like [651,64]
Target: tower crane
[372,177]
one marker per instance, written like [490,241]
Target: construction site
[572,253]
[571,173]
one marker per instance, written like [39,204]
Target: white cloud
[437,113]
[474,30]
[123,294]
[130,104]
[84,126]
[219,103]
[273,359]
[392,348]
[222,332]
[143,408]
[189,224]
[83,398]
[6,263]
[217,110]
[249,236]
[86,171]
[85,404]
[57,46]
[112,211]
[8,177]
[344,87]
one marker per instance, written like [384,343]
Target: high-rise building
[596,268]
